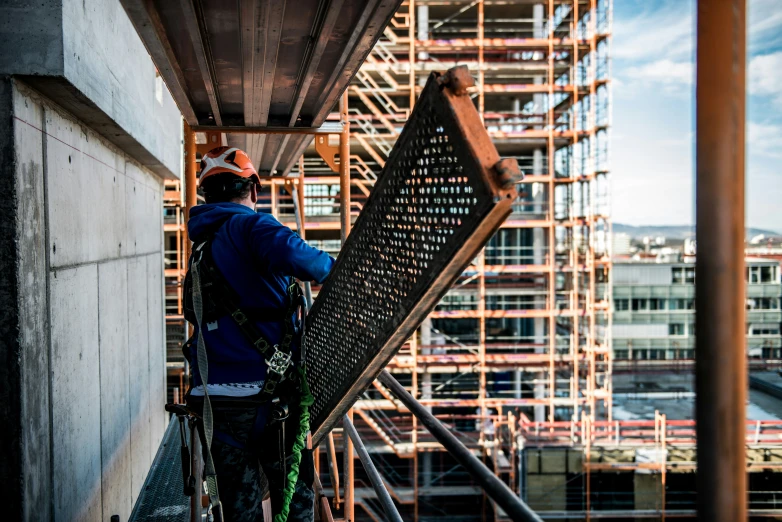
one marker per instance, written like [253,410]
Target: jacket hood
[211,216]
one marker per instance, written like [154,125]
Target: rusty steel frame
[721,359]
[447,96]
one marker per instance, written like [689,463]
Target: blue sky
[652,147]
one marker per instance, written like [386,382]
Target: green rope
[301,441]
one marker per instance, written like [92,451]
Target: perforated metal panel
[437,201]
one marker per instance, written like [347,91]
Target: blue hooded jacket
[257,255]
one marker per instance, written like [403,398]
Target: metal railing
[374,476]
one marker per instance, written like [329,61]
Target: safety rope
[298,445]
[210,474]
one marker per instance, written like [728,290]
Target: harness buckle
[239,317]
[279,361]
[262,345]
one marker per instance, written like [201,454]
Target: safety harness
[208,297]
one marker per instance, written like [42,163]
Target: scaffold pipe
[491,484]
[720,294]
[374,475]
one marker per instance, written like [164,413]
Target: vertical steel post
[189,181]
[331,458]
[414,432]
[411,52]
[344,210]
[275,196]
[300,200]
[301,224]
[481,73]
[344,170]
[720,353]
[552,289]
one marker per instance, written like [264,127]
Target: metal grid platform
[440,197]
[161,498]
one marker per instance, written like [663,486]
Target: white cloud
[764,139]
[765,76]
[765,25]
[666,72]
[665,29]
[652,146]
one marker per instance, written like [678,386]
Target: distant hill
[676,231]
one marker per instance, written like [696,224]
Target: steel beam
[203,56]
[326,128]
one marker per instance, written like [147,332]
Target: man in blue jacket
[253,259]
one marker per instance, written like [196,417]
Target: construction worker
[242,298]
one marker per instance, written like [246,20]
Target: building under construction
[523,332]
[485,294]
[516,356]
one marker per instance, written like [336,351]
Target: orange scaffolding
[525,332]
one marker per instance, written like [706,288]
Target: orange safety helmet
[222,160]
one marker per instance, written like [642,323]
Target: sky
[652,146]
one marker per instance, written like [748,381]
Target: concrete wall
[87,133]
[88,330]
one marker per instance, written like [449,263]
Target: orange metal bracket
[329,153]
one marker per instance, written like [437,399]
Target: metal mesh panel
[434,205]
[161,498]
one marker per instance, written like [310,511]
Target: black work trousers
[245,475]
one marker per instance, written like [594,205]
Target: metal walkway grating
[161,498]
[437,201]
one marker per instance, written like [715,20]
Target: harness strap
[207,421]
[277,357]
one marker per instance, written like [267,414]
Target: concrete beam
[86,56]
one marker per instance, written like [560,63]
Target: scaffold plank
[440,197]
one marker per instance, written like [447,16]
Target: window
[639,355]
[658,304]
[640,304]
[768,274]
[765,331]
[620,305]
[657,355]
[681,304]
[681,275]
[676,329]
[620,354]
[753,274]
[763,303]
